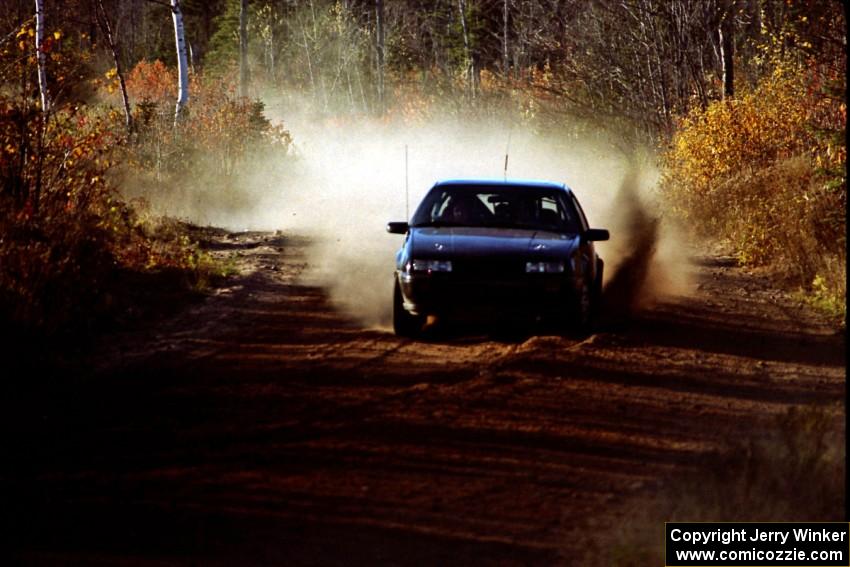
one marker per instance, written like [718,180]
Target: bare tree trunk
[505,38]
[322,84]
[243,48]
[379,45]
[182,60]
[363,98]
[727,49]
[470,71]
[309,59]
[103,20]
[271,47]
[45,101]
[42,64]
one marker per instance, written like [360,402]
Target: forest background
[741,104]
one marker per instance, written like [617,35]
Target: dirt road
[261,426]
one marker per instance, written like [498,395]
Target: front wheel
[596,294]
[583,311]
[404,324]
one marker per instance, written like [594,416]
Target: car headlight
[544,267]
[430,266]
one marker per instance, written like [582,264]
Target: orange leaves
[216,135]
[152,81]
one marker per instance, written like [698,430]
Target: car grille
[496,268]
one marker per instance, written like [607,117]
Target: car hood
[453,242]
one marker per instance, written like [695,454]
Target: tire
[596,294]
[576,319]
[404,323]
[583,311]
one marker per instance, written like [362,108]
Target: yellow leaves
[57,35]
[740,135]
[742,168]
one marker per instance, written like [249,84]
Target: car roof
[479,182]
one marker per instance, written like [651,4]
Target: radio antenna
[406,188]
[507,152]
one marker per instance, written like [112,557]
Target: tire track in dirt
[264,427]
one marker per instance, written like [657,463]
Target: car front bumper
[451,294]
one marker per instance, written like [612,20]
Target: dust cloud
[347,180]
[648,258]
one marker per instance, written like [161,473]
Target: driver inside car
[459,211]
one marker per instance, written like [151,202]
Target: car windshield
[502,207]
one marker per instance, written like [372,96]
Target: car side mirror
[397,227]
[596,235]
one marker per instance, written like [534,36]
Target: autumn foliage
[766,173]
[764,170]
[69,239]
[212,142]
[151,82]
[54,198]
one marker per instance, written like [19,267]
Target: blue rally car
[491,247]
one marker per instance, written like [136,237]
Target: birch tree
[39,47]
[505,38]
[470,62]
[726,32]
[379,44]
[243,48]
[45,100]
[182,60]
[106,26]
